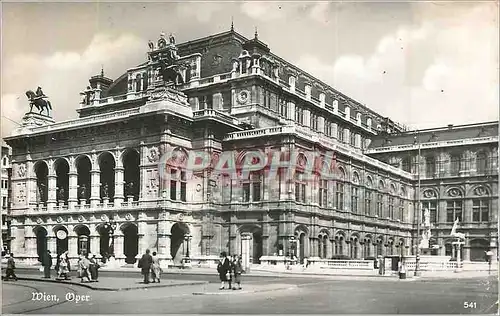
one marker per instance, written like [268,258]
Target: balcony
[429,145]
[214,114]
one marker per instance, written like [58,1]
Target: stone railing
[205,261]
[432,266]
[341,264]
[85,121]
[216,114]
[447,143]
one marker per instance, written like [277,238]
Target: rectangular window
[246,192]
[4,202]
[323,193]
[453,211]
[380,199]
[391,207]
[354,199]
[432,207]
[256,191]
[339,195]
[430,167]
[340,134]
[283,107]
[300,187]
[252,188]
[183,186]
[401,210]
[455,165]
[368,202]
[480,211]
[353,139]
[406,165]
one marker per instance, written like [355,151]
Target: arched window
[4,161]
[138,82]
[406,164]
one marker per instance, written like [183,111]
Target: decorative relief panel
[480,191]
[21,170]
[21,193]
[454,192]
[429,194]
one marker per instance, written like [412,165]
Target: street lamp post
[417,257]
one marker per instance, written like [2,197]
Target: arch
[393,189]
[62,168]
[342,174]
[178,244]
[324,232]
[430,193]
[454,192]
[127,151]
[478,249]
[369,182]
[340,233]
[178,158]
[107,165]
[479,190]
[83,166]
[381,185]
[355,178]
[83,233]
[249,228]
[131,173]
[41,170]
[41,241]
[301,228]
[130,241]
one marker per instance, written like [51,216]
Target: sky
[423,64]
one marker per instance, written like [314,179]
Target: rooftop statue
[37,99]
[162,42]
[171,39]
[151,45]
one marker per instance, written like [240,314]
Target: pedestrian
[155,268]
[94,268]
[63,266]
[381,265]
[145,265]
[83,268]
[47,264]
[11,266]
[224,270]
[238,270]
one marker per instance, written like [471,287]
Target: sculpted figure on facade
[61,194]
[105,190]
[162,42]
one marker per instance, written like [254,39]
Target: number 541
[470,305]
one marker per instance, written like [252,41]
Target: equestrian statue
[170,73]
[37,99]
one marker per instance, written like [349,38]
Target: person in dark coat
[11,266]
[94,268]
[47,264]
[145,265]
[224,270]
[237,268]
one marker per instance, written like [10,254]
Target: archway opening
[41,242]
[83,241]
[107,167]
[83,167]
[42,182]
[131,174]
[130,243]
[62,182]
[61,240]
[257,247]
[177,242]
[478,249]
[302,247]
[104,240]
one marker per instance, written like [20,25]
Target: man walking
[47,264]
[145,265]
[11,266]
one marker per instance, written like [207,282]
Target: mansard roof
[450,132]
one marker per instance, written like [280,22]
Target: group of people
[230,270]
[150,264]
[88,267]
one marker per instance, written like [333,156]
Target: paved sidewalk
[213,289]
[113,284]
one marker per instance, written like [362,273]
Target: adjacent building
[101,183]
[5,195]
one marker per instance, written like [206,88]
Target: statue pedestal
[60,203]
[105,201]
[32,119]
[130,199]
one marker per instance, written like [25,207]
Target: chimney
[450,126]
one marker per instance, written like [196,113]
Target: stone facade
[101,183]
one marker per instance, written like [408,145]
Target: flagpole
[419,212]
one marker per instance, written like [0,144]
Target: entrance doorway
[41,242]
[104,241]
[130,243]
[302,247]
[177,242]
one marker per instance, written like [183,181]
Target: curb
[227,292]
[113,289]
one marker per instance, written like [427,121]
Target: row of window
[456,164]
[5,184]
[455,209]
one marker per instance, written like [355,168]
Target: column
[307,117]
[52,242]
[72,244]
[95,182]
[73,188]
[95,244]
[291,111]
[119,170]
[51,194]
[321,124]
[142,243]
[118,246]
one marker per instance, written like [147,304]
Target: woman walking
[62,267]
[83,268]
[237,270]
[224,270]
[155,268]
[94,268]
